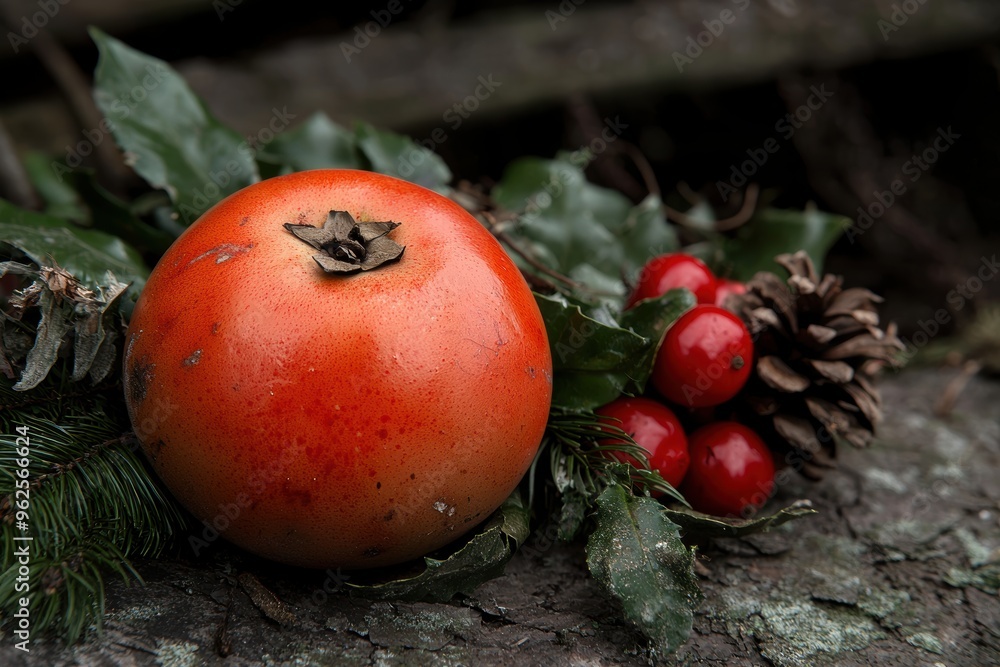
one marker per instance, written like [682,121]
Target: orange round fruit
[321,402]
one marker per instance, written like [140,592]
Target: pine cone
[817,346]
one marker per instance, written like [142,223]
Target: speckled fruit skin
[337,421]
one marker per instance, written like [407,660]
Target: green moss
[177,653]
[804,632]
[926,641]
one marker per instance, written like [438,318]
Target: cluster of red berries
[722,468]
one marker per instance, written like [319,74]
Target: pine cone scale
[817,345]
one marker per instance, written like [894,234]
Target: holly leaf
[86,253]
[584,231]
[636,555]
[596,358]
[592,360]
[167,133]
[650,318]
[772,232]
[479,559]
[397,155]
[713,526]
[318,143]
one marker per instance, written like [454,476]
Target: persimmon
[338,368]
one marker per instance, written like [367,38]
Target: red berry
[705,358]
[726,288]
[655,428]
[731,472]
[666,272]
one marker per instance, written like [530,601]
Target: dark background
[938,70]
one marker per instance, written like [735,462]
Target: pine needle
[92,503]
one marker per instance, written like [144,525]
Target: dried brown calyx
[818,347]
[348,246]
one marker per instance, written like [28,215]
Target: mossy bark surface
[900,567]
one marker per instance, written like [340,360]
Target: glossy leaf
[398,155]
[772,232]
[479,559]
[578,228]
[651,318]
[712,526]
[86,253]
[168,135]
[592,361]
[112,215]
[636,555]
[595,358]
[56,191]
[318,143]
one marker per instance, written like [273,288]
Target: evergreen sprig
[586,452]
[92,504]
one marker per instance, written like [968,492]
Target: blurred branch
[75,87]
[406,75]
[15,186]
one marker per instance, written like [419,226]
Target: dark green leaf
[772,232]
[398,155]
[86,253]
[645,234]
[587,232]
[318,143]
[168,135]
[650,319]
[713,526]
[572,514]
[61,200]
[635,553]
[112,215]
[594,357]
[593,361]
[479,559]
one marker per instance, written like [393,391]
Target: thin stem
[73,84]
[726,224]
[14,181]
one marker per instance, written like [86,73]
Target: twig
[642,164]
[14,182]
[740,218]
[614,174]
[505,238]
[744,214]
[954,388]
[223,641]
[73,84]
[690,196]
[845,163]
